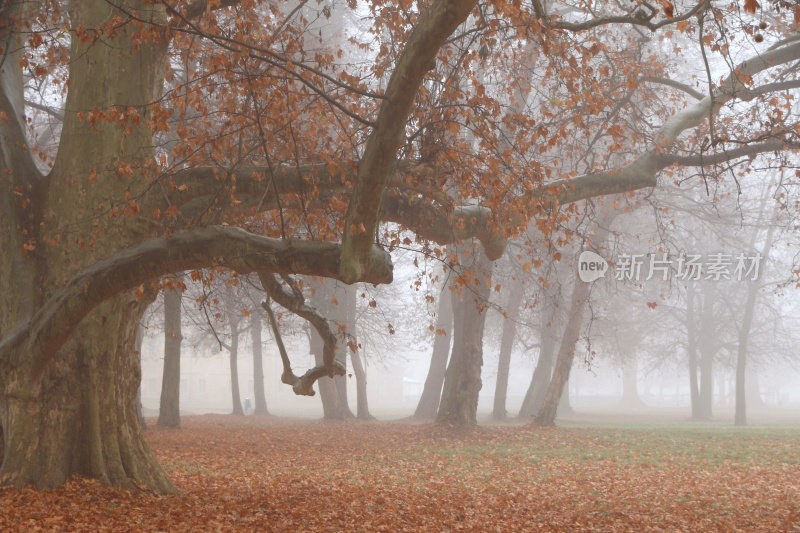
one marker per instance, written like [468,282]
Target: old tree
[246,134]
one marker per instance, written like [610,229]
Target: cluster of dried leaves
[241,474]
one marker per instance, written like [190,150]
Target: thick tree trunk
[332,391]
[259,399]
[534,397]
[78,413]
[506,344]
[566,352]
[332,406]
[83,419]
[432,391]
[169,410]
[462,381]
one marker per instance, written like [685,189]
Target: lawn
[245,474]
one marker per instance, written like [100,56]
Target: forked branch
[295,302]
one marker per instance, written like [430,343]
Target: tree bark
[753,287]
[259,399]
[138,348]
[506,344]
[564,405]
[332,406]
[84,418]
[432,390]
[69,407]
[548,334]
[233,322]
[566,352]
[169,409]
[707,352]
[462,381]
[332,390]
[362,402]
[691,348]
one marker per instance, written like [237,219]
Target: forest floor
[271,474]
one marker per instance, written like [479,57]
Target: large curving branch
[642,172]
[417,58]
[295,302]
[640,17]
[41,336]
[445,224]
[734,86]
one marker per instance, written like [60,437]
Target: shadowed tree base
[83,418]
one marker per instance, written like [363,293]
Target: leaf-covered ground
[242,474]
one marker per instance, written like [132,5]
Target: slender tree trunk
[564,405]
[236,397]
[506,344]
[462,382]
[169,409]
[691,348]
[753,389]
[349,294]
[566,352]
[362,406]
[740,418]
[707,352]
[432,391]
[630,381]
[259,398]
[534,397]
[233,322]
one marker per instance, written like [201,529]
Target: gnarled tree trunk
[84,418]
[76,413]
